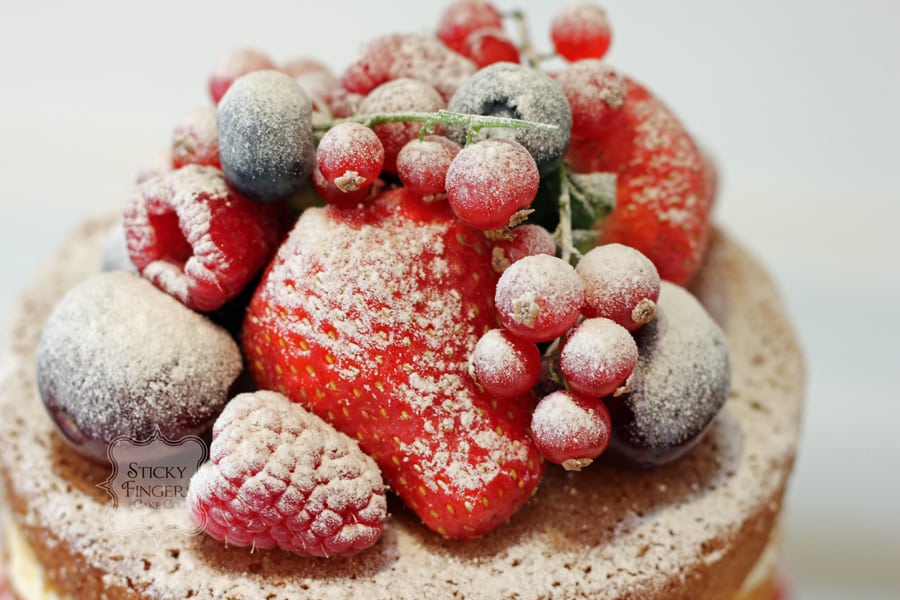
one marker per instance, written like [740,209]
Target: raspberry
[570,429]
[620,283]
[488,46]
[422,164]
[350,156]
[197,239]
[195,140]
[279,476]
[539,297]
[460,19]
[400,95]
[233,65]
[504,365]
[596,94]
[598,357]
[489,182]
[580,31]
[524,240]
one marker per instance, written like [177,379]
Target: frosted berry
[463,17]
[195,140]
[117,357]
[598,358]
[504,365]
[266,142]
[350,156]
[596,94]
[539,297]
[400,95]
[524,240]
[281,477]
[488,46]
[333,195]
[581,31]
[422,164]
[620,283]
[570,429]
[490,181]
[233,65]
[196,238]
[519,92]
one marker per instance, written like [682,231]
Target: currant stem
[563,233]
[526,47]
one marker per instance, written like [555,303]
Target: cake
[701,523]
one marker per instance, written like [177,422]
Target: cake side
[692,529]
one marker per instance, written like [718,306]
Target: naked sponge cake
[443,326]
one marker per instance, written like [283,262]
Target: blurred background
[797,99]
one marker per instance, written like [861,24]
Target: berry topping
[400,95]
[279,476]
[519,92]
[195,140]
[490,181]
[524,240]
[368,317]
[539,297]
[620,284]
[117,357]
[570,429]
[233,65]
[265,136]
[350,156]
[596,94]
[682,378]
[581,31]
[488,46]
[504,365]
[598,357]
[196,238]
[463,17]
[422,165]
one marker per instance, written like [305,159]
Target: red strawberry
[279,476]
[368,317]
[664,190]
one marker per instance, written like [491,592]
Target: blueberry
[266,142]
[519,92]
[682,378]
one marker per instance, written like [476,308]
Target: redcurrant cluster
[587,314]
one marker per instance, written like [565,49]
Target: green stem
[563,233]
[526,47]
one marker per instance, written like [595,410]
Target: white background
[797,98]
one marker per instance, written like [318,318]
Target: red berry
[233,65]
[279,476]
[504,365]
[620,284]
[331,194]
[400,95]
[570,429]
[350,156]
[524,240]
[422,164]
[490,181]
[195,140]
[314,77]
[539,297]
[596,94]
[598,357]
[580,31]
[488,46]
[460,19]
[197,239]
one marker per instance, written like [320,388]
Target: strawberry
[664,192]
[367,316]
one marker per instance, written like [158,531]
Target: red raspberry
[460,19]
[570,429]
[279,476]
[195,140]
[234,64]
[197,239]
[581,31]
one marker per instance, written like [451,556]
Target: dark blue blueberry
[266,142]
